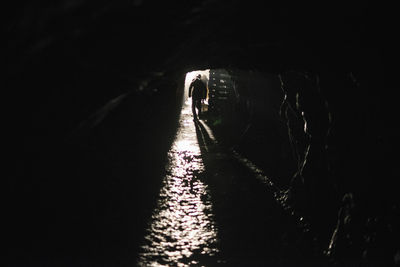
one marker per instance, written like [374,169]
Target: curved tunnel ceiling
[155,35]
[100,50]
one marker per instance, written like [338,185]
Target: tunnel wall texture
[72,65]
[308,143]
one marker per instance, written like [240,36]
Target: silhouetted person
[198,92]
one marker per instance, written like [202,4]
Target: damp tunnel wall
[78,70]
[306,138]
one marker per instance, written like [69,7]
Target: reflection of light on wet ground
[182,230]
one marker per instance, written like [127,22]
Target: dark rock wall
[320,137]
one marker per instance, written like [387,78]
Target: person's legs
[194,108]
[198,105]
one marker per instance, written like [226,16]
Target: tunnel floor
[182,228]
[212,211]
[117,207]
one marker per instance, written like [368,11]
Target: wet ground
[110,200]
[182,228]
[212,210]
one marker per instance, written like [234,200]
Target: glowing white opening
[205,76]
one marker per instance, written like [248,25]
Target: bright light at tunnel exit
[205,76]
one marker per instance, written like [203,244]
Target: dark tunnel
[292,162]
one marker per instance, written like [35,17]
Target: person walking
[198,92]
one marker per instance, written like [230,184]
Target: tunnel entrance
[219,86]
[243,110]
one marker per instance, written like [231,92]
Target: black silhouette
[198,92]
